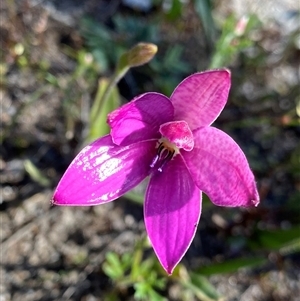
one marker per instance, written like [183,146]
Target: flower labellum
[171,140]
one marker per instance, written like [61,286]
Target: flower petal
[172,211]
[179,133]
[140,119]
[220,169]
[200,98]
[103,171]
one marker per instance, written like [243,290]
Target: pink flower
[170,140]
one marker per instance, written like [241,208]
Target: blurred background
[57,57]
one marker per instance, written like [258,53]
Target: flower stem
[119,73]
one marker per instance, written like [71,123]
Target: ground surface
[54,253]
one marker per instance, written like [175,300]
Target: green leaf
[291,248]
[230,266]
[175,10]
[50,78]
[154,296]
[35,174]
[144,291]
[112,267]
[141,289]
[204,9]
[276,239]
[202,288]
[126,261]
[136,264]
[135,197]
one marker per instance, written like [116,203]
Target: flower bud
[141,54]
[241,25]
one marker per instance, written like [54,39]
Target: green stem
[113,82]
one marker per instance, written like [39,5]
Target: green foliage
[231,266]
[115,267]
[107,97]
[285,242]
[137,197]
[175,10]
[98,126]
[204,11]
[148,279]
[36,174]
[234,39]
[276,239]
[131,271]
[202,288]
[107,44]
